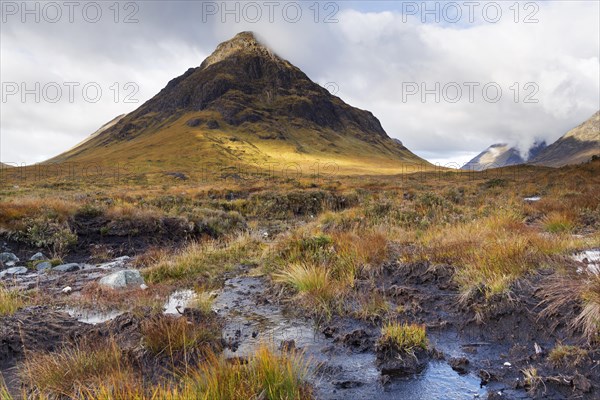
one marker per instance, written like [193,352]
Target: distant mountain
[501,155]
[244,105]
[578,145]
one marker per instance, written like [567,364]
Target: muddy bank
[478,349]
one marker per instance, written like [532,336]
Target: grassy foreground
[319,242]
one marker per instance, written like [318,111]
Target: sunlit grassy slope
[173,145]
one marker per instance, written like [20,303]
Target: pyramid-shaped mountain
[244,105]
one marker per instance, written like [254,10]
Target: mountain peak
[242,43]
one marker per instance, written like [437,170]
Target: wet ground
[476,355]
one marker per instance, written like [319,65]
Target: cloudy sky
[446,78]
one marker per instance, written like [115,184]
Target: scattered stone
[67,290]
[507,364]
[192,123]
[538,348]
[8,259]
[347,384]
[582,383]
[43,266]
[459,364]
[72,267]
[287,345]
[38,257]
[13,271]
[116,263]
[122,279]
[329,331]
[178,175]
[212,124]
[143,286]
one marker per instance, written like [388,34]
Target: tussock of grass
[264,375]
[583,289]
[314,285]
[69,371]
[559,222]
[404,337]
[566,355]
[206,259]
[10,301]
[169,335]
[104,375]
[202,301]
[532,379]
[492,252]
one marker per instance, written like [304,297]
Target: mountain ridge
[246,104]
[576,146]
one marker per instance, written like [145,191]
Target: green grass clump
[566,355]
[404,337]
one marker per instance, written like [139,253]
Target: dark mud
[476,351]
[478,347]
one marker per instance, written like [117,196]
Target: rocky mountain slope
[501,155]
[578,145]
[244,105]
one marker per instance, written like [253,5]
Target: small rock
[122,279]
[582,383]
[459,364]
[13,271]
[507,364]
[212,124]
[67,289]
[38,257]
[43,266]
[287,345]
[143,286]
[7,258]
[347,384]
[72,267]
[116,263]
[538,348]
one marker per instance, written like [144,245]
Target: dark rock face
[246,83]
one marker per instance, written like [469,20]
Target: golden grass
[164,334]
[105,374]
[10,301]
[562,355]
[492,252]
[206,259]
[317,291]
[70,370]
[404,337]
[582,289]
[264,375]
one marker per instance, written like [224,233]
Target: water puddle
[589,257]
[178,301]
[92,317]
[338,372]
